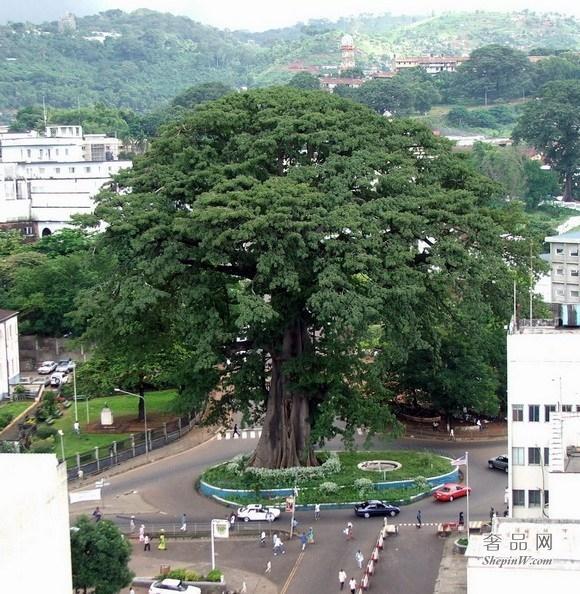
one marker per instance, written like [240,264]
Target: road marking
[292,573]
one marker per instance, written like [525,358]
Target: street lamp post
[61,435]
[144,416]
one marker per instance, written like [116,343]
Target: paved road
[165,489]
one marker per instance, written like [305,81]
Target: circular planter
[459,548]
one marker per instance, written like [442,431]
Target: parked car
[47,367]
[451,491]
[368,509]
[58,378]
[258,512]
[65,366]
[169,585]
[499,462]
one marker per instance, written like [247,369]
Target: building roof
[433,59]
[568,237]
[6,314]
[331,80]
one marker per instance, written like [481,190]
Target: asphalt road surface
[163,490]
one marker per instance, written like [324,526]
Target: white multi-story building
[9,354]
[44,180]
[34,530]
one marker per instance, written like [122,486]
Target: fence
[103,458]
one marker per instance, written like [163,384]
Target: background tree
[552,125]
[304,80]
[100,557]
[268,231]
[200,94]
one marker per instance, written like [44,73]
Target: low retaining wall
[422,420]
[219,492]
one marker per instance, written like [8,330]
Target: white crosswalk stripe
[255,433]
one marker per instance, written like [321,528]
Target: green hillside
[142,59]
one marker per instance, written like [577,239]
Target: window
[546,497]
[566,408]
[548,408]
[518,456]
[87,169]
[534,498]
[66,151]
[517,412]
[534,456]
[574,272]
[574,293]
[559,291]
[559,250]
[546,456]
[57,169]
[534,413]
[56,151]
[559,271]
[518,497]
[28,153]
[574,251]
[71,169]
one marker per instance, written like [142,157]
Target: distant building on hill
[347,61]
[431,64]
[67,23]
[329,83]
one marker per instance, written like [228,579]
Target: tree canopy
[552,125]
[266,232]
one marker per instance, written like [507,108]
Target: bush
[215,575]
[364,486]
[298,474]
[42,446]
[45,431]
[422,483]
[328,488]
[5,419]
[185,575]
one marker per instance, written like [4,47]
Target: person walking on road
[146,543]
[132,524]
[97,515]
[303,540]
[183,523]
[342,578]
[268,567]
[141,533]
[244,588]
[491,513]
[348,531]
[310,535]
[359,558]
[162,546]
[451,434]
[236,431]
[352,585]
[461,521]
[317,511]
[263,539]
[419,519]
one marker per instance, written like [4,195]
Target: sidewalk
[452,578]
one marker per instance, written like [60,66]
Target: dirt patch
[130,423]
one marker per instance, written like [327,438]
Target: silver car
[169,585]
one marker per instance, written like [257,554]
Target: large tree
[267,231]
[551,123]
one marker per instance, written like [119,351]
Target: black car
[499,462]
[367,509]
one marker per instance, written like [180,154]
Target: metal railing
[101,458]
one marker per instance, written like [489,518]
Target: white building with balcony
[45,179]
[9,353]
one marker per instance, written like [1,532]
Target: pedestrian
[132,524]
[244,588]
[183,523]
[236,430]
[479,425]
[461,522]
[268,567]
[359,558]
[274,539]
[419,519]
[310,535]
[131,590]
[232,520]
[303,540]
[491,513]
[294,524]
[77,428]
[506,513]
[162,546]
[348,531]
[263,539]
[277,542]
[434,425]
[317,511]
[341,578]
[141,533]
[146,543]
[451,434]
[97,515]
[352,585]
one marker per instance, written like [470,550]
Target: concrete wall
[34,530]
[484,580]
[9,355]
[564,490]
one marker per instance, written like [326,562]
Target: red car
[451,491]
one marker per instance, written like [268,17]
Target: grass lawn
[120,405]
[413,464]
[15,408]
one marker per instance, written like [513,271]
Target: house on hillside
[431,64]
[9,356]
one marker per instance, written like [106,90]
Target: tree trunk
[285,440]
[568,197]
[141,415]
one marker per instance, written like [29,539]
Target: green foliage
[8,448]
[100,556]
[198,94]
[42,446]
[422,483]
[541,184]
[305,81]
[5,419]
[551,124]
[186,575]
[298,475]
[215,575]
[364,486]
[495,117]
[45,431]
[328,488]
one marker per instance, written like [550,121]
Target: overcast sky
[257,15]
